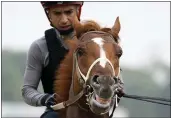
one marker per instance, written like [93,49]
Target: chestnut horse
[86,79]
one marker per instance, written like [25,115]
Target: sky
[145,27]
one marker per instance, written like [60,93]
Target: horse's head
[97,64]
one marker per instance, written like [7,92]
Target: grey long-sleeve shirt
[37,59]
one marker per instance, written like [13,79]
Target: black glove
[48,100]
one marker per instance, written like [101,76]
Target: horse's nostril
[95,79]
[115,80]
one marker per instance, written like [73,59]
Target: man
[46,53]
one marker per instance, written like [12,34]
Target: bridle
[73,99]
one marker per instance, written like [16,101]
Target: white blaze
[99,41]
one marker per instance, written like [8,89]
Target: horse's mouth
[102,100]
[100,105]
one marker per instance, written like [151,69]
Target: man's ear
[49,16]
[77,11]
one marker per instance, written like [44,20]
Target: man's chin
[66,32]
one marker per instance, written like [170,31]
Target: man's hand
[49,100]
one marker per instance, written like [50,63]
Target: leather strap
[68,102]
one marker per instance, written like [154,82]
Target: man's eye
[57,13]
[69,12]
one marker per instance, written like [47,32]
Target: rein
[143,98]
[157,100]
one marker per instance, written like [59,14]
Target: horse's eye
[118,50]
[80,51]
[119,54]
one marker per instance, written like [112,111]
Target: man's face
[62,17]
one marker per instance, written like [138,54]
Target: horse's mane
[64,73]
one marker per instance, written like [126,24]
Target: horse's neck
[63,75]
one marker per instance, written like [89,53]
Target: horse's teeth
[101,100]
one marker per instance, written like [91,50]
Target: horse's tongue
[101,100]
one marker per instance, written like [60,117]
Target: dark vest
[56,55]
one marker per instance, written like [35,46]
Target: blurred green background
[153,80]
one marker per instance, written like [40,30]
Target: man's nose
[64,19]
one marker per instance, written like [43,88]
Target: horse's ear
[116,28]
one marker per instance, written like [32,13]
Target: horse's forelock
[90,25]
[87,26]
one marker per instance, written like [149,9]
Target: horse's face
[98,64]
